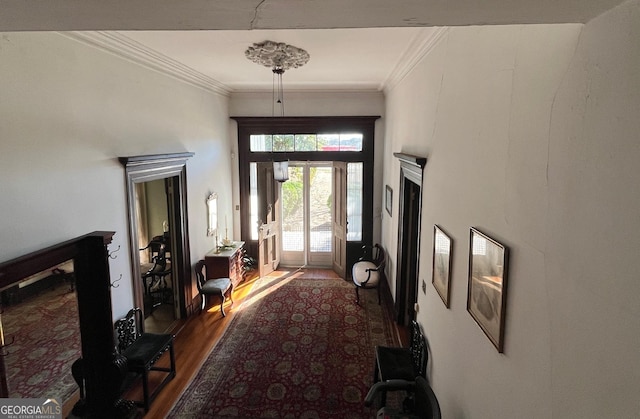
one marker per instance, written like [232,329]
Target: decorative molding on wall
[137,53]
[421,46]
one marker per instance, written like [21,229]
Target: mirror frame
[212,213]
[162,166]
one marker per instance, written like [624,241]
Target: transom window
[305,142]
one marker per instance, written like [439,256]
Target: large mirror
[212,211]
[40,334]
[167,289]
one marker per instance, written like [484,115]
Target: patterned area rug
[297,348]
[43,337]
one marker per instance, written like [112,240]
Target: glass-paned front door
[306,215]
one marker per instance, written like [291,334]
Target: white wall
[67,112]
[531,136]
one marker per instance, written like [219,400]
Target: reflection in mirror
[155,255]
[40,334]
[212,209]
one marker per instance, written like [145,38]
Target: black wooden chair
[214,286]
[422,404]
[142,351]
[400,363]
[156,289]
[368,271]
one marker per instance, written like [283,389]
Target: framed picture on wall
[441,270]
[388,199]
[487,287]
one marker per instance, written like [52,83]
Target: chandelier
[279,57]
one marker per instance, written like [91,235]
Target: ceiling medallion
[277,55]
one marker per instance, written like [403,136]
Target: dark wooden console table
[226,263]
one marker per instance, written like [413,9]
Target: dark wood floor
[196,336]
[193,342]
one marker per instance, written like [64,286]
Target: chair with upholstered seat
[212,286]
[142,351]
[368,271]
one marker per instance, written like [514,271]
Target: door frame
[139,169]
[248,126]
[305,257]
[409,225]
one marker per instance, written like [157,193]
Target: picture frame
[441,263]
[487,286]
[388,199]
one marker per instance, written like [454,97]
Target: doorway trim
[319,124]
[140,169]
[409,225]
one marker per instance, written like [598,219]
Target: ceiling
[340,59]
[371,41]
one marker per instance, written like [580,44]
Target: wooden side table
[226,264]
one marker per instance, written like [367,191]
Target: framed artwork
[487,288]
[441,270]
[388,199]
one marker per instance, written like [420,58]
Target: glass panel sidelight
[354,201]
[253,200]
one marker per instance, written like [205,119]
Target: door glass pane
[354,201]
[351,142]
[293,211]
[283,142]
[261,143]
[306,142]
[320,200]
[329,142]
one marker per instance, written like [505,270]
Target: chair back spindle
[419,350]
[128,329]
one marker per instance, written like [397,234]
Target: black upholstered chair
[213,286]
[142,351]
[368,271]
[402,363]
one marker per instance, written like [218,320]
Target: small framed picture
[388,199]
[441,272]
[487,288]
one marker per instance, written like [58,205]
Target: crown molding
[420,47]
[124,47]
[310,90]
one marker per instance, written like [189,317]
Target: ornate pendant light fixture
[279,57]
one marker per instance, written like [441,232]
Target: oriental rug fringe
[296,348]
